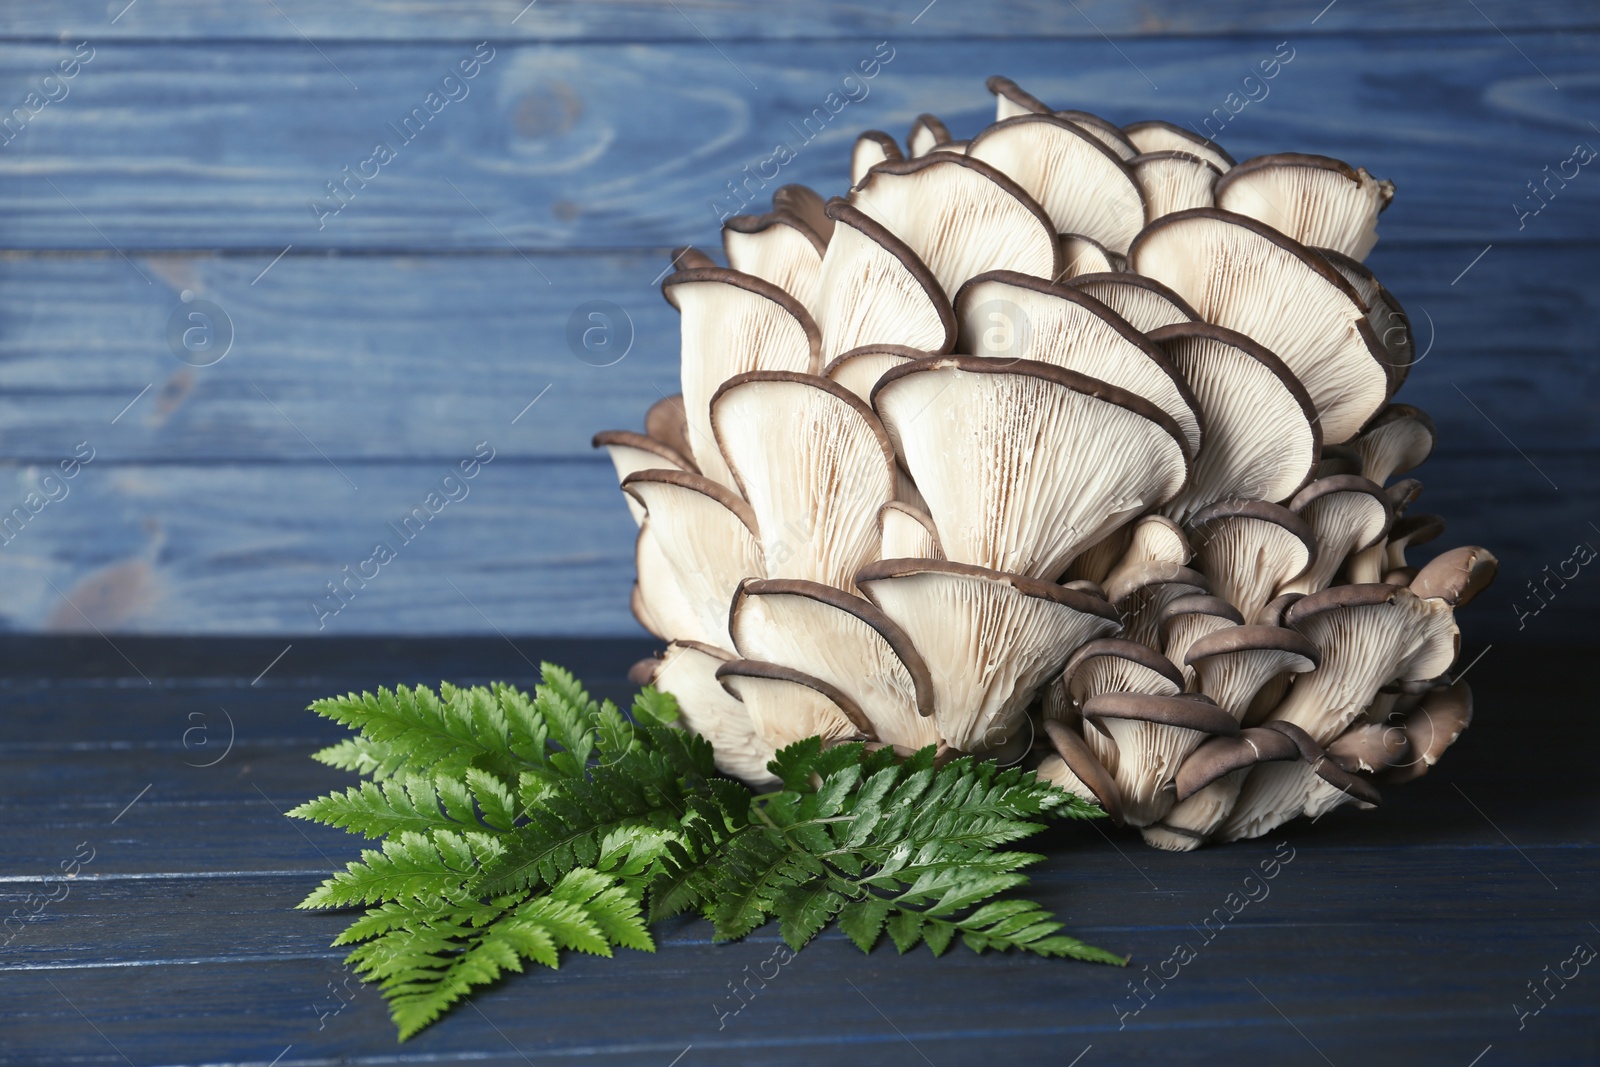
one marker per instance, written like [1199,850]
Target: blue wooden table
[1406,935]
[362,336]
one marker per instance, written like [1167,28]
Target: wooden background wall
[422,318]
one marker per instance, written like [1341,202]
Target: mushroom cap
[1369,635]
[1408,531]
[1388,319]
[1134,667]
[875,291]
[1012,100]
[807,205]
[989,638]
[927,133]
[1008,316]
[732,323]
[667,423]
[1155,135]
[777,247]
[871,148]
[786,705]
[1187,711]
[1245,275]
[1082,255]
[843,640]
[1236,540]
[1397,439]
[1262,435]
[1403,494]
[1083,764]
[1081,183]
[1234,664]
[1298,654]
[1106,132]
[907,532]
[1326,769]
[1271,614]
[1316,200]
[1370,747]
[1432,727]
[1456,576]
[1214,609]
[1349,514]
[1174,181]
[1224,755]
[859,369]
[1013,459]
[707,539]
[1144,302]
[960,216]
[631,452]
[688,671]
[815,491]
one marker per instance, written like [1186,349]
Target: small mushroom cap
[1012,100]
[1403,494]
[1144,302]
[1388,319]
[1224,755]
[777,247]
[1349,514]
[927,133]
[807,205]
[1411,530]
[665,421]
[859,369]
[1316,200]
[1299,655]
[1325,768]
[872,147]
[1188,711]
[1174,181]
[830,476]
[643,672]
[787,705]
[688,671]
[1250,548]
[1199,604]
[1081,762]
[1456,576]
[731,323]
[1082,255]
[1370,747]
[1271,614]
[1431,728]
[1262,435]
[907,532]
[1397,439]
[1374,521]
[1107,133]
[1155,135]
[960,216]
[874,290]
[1081,183]
[631,452]
[1339,459]
[1163,676]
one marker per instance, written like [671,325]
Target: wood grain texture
[1398,936]
[224,145]
[406,358]
[547,548]
[287,20]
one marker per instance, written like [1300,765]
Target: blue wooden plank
[547,548]
[1400,936]
[625,145]
[394,358]
[548,20]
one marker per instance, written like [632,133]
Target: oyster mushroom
[1316,200]
[1155,135]
[1144,302]
[984,440]
[1250,548]
[1208,784]
[1245,275]
[1368,635]
[1151,737]
[1347,513]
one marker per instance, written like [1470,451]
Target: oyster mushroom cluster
[1068,442]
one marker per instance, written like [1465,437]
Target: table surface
[1405,935]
